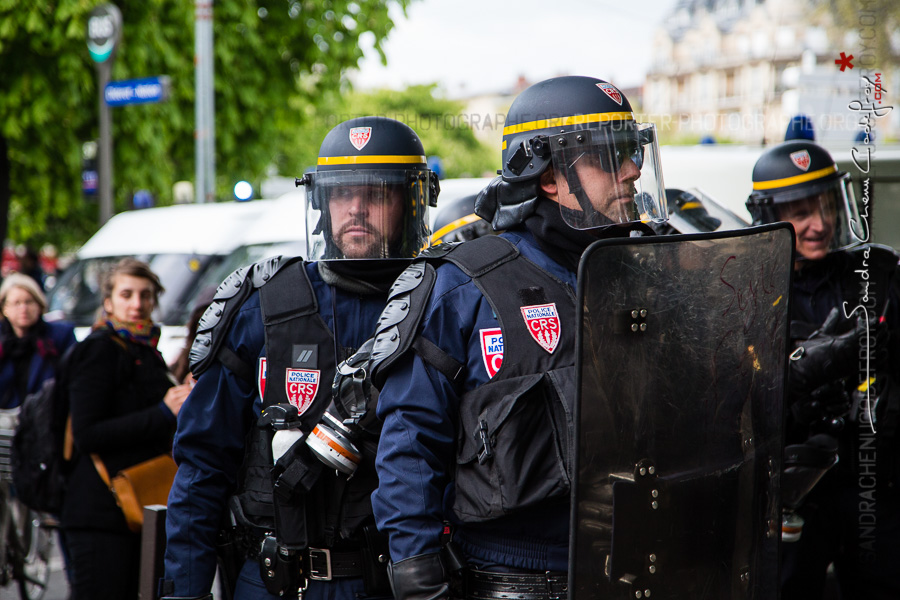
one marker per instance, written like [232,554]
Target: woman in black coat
[123,406]
[30,348]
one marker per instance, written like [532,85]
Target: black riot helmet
[370,192]
[456,221]
[606,164]
[798,181]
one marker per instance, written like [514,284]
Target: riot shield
[682,358]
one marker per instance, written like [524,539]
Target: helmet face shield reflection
[365,214]
[825,220]
[609,175]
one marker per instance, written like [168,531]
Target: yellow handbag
[138,486]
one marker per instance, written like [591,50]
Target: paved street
[58,589]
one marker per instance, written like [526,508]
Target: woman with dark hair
[30,347]
[124,404]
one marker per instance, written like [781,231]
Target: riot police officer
[843,373]
[474,354]
[265,357]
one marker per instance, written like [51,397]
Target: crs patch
[360,136]
[612,92]
[491,349]
[800,158]
[261,377]
[301,386]
[542,322]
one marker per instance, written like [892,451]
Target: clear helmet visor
[367,214]
[609,176]
[824,221]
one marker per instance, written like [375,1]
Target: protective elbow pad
[421,577]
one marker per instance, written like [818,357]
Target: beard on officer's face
[359,239]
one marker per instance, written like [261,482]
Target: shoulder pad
[229,297]
[401,316]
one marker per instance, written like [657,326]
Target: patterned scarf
[140,332]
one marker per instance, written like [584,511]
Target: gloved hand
[206,597]
[825,357]
[421,577]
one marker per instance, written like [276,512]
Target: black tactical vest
[516,431]
[298,344]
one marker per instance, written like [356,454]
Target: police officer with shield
[844,365]
[474,353]
[277,501]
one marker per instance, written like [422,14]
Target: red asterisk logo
[844,61]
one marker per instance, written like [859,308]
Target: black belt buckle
[560,580]
[320,564]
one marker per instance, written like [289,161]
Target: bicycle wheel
[35,543]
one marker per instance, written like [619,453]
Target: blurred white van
[180,243]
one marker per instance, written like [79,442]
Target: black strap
[287,294]
[233,362]
[440,360]
[481,255]
[485,585]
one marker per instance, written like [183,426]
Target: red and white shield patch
[801,159]
[543,324]
[612,92]
[360,136]
[261,377]
[301,386]
[492,349]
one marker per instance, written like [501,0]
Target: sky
[477,46]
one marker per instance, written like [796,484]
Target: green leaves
[273,60]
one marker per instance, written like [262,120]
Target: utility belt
[484,585]
[286,571]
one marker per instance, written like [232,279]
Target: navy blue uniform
[210,445]
[416,453]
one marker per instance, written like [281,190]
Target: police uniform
[265,353]
[474,359]
[852,516]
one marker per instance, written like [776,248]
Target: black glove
[825,357]
[206,597]
[421,577]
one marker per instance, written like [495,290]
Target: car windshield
[76,296]
[245,255]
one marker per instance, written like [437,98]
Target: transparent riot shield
[678,437]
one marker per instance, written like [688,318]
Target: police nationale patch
[801,159]
[301,386]
[261,377]
[612,92]
[360,136]
[543,324]
[492,349]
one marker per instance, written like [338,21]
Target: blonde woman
[30,348]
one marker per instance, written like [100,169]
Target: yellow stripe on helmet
[564,121]
[325,161]
[454,225]
[777,183]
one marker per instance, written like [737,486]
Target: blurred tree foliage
[446,129]
[273,59]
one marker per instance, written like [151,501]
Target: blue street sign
[136,91]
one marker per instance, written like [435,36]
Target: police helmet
[456,221]
[798,180]
[606,164]
[369,194]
